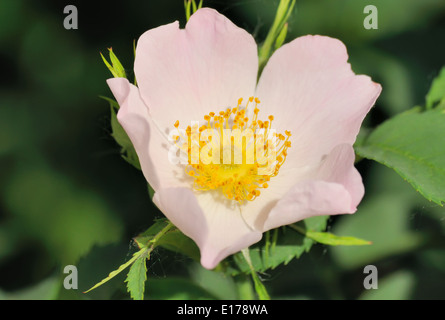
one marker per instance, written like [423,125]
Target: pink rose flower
[307,87]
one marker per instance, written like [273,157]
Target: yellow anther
[237,181]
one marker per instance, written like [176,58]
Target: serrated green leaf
[147,242]
[437,91]
[288,246]
[173,240]
[413,144]
[120,269]
[137,275]
[176,241]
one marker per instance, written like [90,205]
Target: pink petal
[311,90]
[256,212]
[150,145]
[335,188]
[184,74]
[217,227]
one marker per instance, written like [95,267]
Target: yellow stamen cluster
[238,180]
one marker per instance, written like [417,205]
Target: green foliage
[53,199]
[345,19]
[219,284]
[136,278]
[259,286]
[173,240]
[397,286]
[141,253]
[47,289]
[436,95]
[383,219]
[65,195]
[405,144]
[286,245]
[176,241]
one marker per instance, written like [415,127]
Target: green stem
[160,234]
[259,287]
[145,249]
[114,273]
[281,17]
[298,229]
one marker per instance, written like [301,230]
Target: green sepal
[281,36]
[116,68]
[191,7]
[329,238]
[120,136]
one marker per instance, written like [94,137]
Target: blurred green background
[67,197]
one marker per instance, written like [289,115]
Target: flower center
[232,152]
